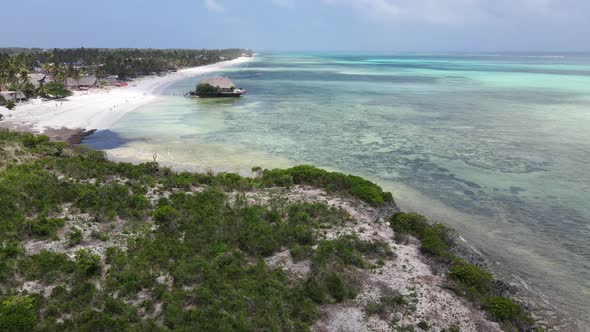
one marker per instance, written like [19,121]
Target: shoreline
[73,118]
[552,316]
[56,132]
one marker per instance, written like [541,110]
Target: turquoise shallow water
[497,146]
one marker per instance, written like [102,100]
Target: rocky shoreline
[547,316]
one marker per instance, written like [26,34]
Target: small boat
[216,87]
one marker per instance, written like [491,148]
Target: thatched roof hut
[83,82]
[217,86]
[13,95]
[222,83]
[36,79]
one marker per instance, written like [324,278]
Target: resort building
[111,80]
[13,95]
[36,79]
[84,83]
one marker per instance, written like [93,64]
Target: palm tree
[60,74]
[17,75]
[74,73]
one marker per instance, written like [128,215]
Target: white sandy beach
[98,108]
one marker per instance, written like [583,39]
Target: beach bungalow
[36,79]
[84,83]
[112,80]
[13,95]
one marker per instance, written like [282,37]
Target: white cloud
[214,6]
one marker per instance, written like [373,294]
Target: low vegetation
[333,182]
[139,247]
[186,259]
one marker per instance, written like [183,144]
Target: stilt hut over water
[216,86]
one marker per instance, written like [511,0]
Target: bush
[9,104]
[255,235]
[409,223]
[87,262]
[17,314]
[352,185]
[30,141]
[47,227]
[432,243]
[473,279]
[510,314]
[340,287]
[299,253]
[46,266]
[423,325]
[167,217]
[341,252]
[75,237]
[436,240]
[329,287]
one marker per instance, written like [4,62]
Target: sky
[302,25]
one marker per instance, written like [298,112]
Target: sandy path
[98,108]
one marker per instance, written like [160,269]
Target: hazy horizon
[287,25]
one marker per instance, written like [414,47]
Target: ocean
[495,145]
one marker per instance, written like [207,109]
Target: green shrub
[74,237]
[352,185]
[167,217]
[503,309]
[341,252]
[299,253]
[87,262]
[46,266]
[436,239]
[47,227]
[473,279]
[433,244]
[329,287]
[410,223]
[17,314]
[9,104]
[31,141]
[423,325]
[257,236]
[340,287]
